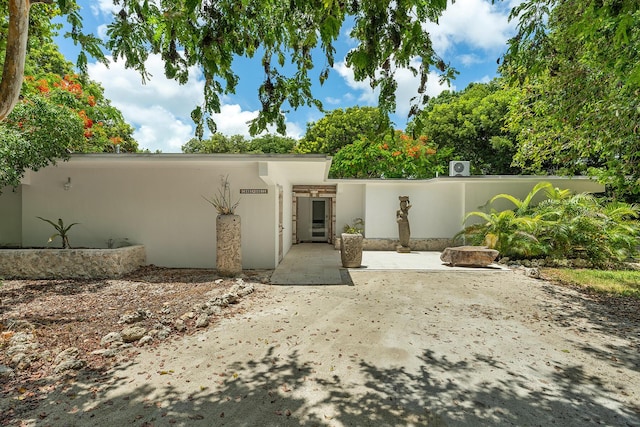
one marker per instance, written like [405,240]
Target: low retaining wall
[70,263]
[435,244]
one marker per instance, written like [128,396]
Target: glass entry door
[319,218]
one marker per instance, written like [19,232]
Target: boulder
[133,333]
[469,256]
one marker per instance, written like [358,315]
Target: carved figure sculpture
[402,218]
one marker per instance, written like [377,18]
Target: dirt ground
[396,348]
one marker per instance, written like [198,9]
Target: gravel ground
[396,348]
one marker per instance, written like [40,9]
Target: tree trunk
[15,55]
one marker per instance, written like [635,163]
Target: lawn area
[616,282]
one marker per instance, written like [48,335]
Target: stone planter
[351,250]
[228,247]
[50,263]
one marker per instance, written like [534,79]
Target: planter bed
[70,263]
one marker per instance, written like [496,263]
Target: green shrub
[562,226]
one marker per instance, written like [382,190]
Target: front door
[319,220]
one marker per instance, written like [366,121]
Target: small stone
[145,340]
[241,289]
[67,360]
[133,333]
[213,310]
[111,352]
[532,272]
[580,263]
[135,317]
[179,325]
[163,333]
[110,339]
[20,361]
[69,365]
[6,371]
[69,353]
[202,321]
[188,315]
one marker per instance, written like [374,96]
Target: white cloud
[475,23]
[365,95]
[104,7]
[470,59]
[408,85]
[159,129]
[101,30]
[333,101]
[408,88]
[160,110]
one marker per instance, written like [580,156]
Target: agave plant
[222,201]
[61,231]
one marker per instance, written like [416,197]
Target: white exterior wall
[438,206]
[350,204]
[155,203]
[430,215]
[11,217]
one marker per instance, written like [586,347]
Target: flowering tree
[58,113]
[104,126]
[396,155]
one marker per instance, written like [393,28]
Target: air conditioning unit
[459,168]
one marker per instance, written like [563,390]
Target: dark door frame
[314,191]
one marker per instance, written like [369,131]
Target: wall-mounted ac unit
[459,168]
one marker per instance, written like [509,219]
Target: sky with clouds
[471,35]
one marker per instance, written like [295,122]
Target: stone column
[228,245]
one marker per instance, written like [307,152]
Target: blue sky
[471,35]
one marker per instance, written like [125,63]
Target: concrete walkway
[319,264]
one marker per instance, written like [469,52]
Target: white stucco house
[156,200]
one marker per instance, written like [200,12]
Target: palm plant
[581,226]
[522,206]
[61,231]
[505,231]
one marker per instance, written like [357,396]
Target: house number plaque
[254,191]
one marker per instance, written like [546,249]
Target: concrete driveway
[398,348]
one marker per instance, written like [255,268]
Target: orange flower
[385,146]
[430,151]
[91,100]
[396,153]
[43,86]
